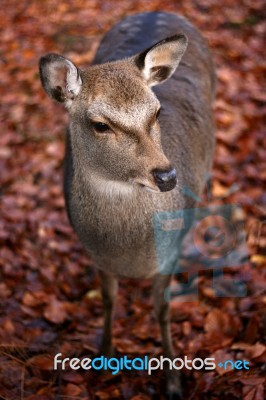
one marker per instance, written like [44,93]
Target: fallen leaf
[56,311]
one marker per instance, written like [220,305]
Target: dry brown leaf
[56,311]
[72,390]
[220,357]
[42,362]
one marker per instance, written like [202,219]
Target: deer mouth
[146,185]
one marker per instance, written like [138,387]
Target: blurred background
[49,293]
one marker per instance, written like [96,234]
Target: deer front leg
[161,307]
[109,287]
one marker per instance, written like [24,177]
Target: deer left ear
[160,61]
[60,78]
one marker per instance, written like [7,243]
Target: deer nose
[165,179]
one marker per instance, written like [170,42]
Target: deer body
[122,160]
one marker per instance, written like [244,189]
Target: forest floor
[50,300]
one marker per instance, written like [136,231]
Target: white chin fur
[112,188]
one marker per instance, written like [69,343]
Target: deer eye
[100,127]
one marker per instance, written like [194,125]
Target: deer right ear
[160,61]
[60,78]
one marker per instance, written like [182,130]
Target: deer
[141,127]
